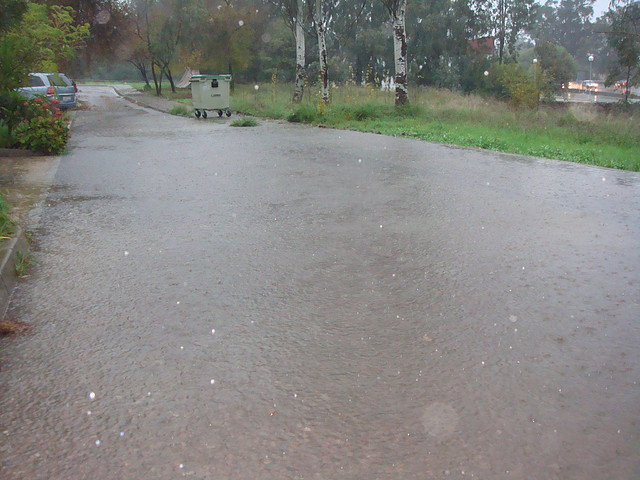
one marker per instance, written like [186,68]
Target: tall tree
[624,38]
[511,18]
[397,10]
[293,13]
[566,23]
[320,21]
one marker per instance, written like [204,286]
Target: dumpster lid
[199,78]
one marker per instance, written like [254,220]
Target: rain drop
[213,331]
[126,253]
[122,434]
[212,381]
[92,395]
[98,443]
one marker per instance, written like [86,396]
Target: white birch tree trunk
[300,55]
[322,50]
[400,52]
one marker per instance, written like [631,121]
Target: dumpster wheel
[197,113]
[204,114]
[228,113]
[219,113]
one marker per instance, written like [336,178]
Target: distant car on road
[621,85]
[590,85]
[52,85]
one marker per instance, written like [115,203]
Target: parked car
[590,85]
[53,85]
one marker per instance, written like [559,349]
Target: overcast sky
[600,7]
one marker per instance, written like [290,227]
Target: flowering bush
[42,127]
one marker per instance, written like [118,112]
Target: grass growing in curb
[245,122]
[589,134]
[23,263]
[180,110]
[7,226]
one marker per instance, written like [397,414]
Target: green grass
[7,226]
[24,262]
[588,134]
[180,110]
[245,122]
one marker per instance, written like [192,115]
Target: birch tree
[320,22]
[397,9]
[293,13]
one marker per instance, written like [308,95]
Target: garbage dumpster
[211,92]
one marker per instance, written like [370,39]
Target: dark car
[52,85]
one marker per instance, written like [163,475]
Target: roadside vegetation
[245,122]
[7,227]
[602,135]
[179,110]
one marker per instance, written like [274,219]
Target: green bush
[245,122]
[303,114]
[7,227]
[511,82]
[43,128]
[179,110]
[365,111]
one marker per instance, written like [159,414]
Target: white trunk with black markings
[322,48]
[400,52]
[300,55]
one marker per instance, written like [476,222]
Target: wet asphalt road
[285,302]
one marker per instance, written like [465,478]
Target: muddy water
[294,303]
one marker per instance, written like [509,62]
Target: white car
[52,85]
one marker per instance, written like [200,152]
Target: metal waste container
[211,92]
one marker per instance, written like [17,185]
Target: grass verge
[180,110]
[7,226]
[24,262]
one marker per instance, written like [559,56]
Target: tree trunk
[167,72]
[142,68]
[322,49]
[502,18]
[157,83]
[300,55]
[400,53]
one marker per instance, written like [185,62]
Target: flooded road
[286,302]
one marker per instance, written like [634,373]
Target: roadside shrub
[303,114]
[42,128]
[7,227]
[12,111]
[245,122]
[511,82]
[179,110]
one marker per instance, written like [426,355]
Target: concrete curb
[167,104]
[8,277]
[16,152]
